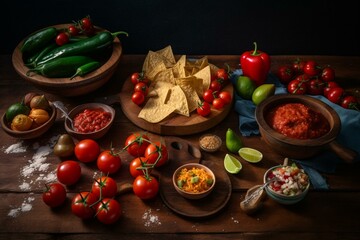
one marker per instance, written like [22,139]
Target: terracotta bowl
[190,195]
[90,135]
[300,148]
[33,133]
[78,85]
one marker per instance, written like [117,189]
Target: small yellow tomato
[39,116]
[21,122]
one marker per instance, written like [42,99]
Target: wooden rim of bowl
[315,104]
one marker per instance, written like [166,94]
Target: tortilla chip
[167,53]
[155,111]
[191,96]
[165,76]
[179,67]
[205,75]
[177,99]
[192,81]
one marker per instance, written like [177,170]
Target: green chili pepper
[86,68]
[38,40]
[32,60]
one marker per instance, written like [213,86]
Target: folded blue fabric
[349,135]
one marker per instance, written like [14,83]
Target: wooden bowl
[301,148]
[64,86]
[33,133]
[191,195]
[90,135]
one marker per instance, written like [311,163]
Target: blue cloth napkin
[349,135]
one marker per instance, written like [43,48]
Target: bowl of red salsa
[298,126]
[90,120]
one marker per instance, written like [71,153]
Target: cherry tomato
[138,163]
[108,162]
[136,144]
[73,31]
[311,68]
[209,95]
[81,205]
[142,87]
[138,98]
[328,86]
[335,94]
[298,66]
[54,195]
[145,187]
[218,103]
[203,109]
[225,96]
[315,87]
[107,185]
[328,74]
[87,26]
[296,87]
[62,38]
[349,102]
[216,85]
[68,172]
[139,77]
[222,73]
[156,151]
[87,150]
[285,73]
[108,211]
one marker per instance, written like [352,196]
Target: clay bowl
[191,195]
[78,85]
[300,148]
[33,133]
[89,135]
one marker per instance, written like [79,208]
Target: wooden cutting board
[175,124]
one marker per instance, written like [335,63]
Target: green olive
[64,146]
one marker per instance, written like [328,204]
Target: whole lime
[233,141]
[245,87]
[262,92]
[16,109]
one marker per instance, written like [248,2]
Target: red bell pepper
[255,65]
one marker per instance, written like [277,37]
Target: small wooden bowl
[64,86]
[190,195]
[301,148]
[33,133]
[212,146]
[91,135]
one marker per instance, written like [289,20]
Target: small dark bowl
[91,135]
[33,133]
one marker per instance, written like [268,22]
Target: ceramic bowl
[210,142]
[191,195]
[89,135]
[78,85]
[282,198]
[33,133]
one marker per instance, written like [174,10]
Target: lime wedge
[232,164]
[250,154]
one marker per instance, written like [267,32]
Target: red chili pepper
[255,65]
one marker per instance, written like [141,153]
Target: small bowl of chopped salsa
[90,120]
[194,180]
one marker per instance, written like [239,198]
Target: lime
[232,164]
[16,109]
[245,87]
[250,154]
[262,92]
[233,141]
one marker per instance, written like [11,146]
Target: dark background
[192,27]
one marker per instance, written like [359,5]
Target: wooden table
[322,214]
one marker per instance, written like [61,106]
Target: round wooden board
[181,152]
[175,124]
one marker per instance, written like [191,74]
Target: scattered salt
[16,148]
[25,207]
[150,219]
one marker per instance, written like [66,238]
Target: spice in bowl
[210,142]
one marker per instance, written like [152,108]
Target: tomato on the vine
[315,87]
[138,163]
[139,77]
[328,86]
[285,73]
[311,68]
[218,103]
[68,172]
[82,205]
[73,30]
[87,26]
[108,211]
[62,38]
[222,73]
[335,94]
[297,87]
[54,194]
[328,74]
[108,162]
[298,66]
[138,98]
[203,109]
[209,95]
[87,150]
[145,187]
[216,85]
[156,151]
[142,87]
[106,185]
[349,102]
[225,96]
[136,144]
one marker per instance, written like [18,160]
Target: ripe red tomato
[328,74]
[285,73]
[218,103]
[203,109]
[87,150]
[68,172]
[108,162]
[138,98]
[335,94]
[216,85]
[107,185]
[54,195]
[108,211]
[349,102]
[209,95]
[139,77]
[156,151]
[225,96]
[81,205]
[328,86]
[146,188]
[87,26]
[136,144]
[298,66]
[137,163]
[311,68]
[296,87]
[73,31]
[142,87]
[315,87]
[222,73]
[62,38]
